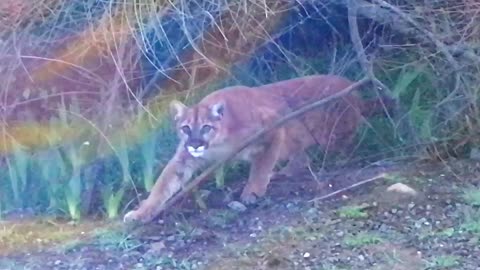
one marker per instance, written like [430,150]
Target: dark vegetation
[83,142]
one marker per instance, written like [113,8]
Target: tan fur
[235,113]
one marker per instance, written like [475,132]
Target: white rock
[402,188]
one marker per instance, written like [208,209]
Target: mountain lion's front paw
[248,197]
[137,216]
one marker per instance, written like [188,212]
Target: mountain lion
[224,119]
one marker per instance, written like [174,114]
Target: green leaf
[405,79]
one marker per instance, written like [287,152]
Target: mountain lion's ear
[217,110]
[177,109]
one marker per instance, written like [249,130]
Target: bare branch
[357,44]
[440,45]
[368,67]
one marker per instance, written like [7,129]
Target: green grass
[170,263]
[352,212]
[471,196]
[17,167]
[471,220]
[112,202]
[362,239]
[444,262]
[449,232]
[116,239]
[74,186]
[148,169]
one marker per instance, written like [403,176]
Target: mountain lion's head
[200,126]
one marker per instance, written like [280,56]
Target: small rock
[306,255]
[361,257]
[402,188]
[157,246]
[237,206]
[383,228]
[312,211]
[475,153]
[57,262]
[179,243]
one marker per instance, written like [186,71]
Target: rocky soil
[418,216]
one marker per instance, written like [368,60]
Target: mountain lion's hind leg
[261,169]
[298,163]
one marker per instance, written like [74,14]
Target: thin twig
[367,66]
[439,44]
[357,44]
[304,109]
[382,175]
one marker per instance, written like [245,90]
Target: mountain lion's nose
[196,143]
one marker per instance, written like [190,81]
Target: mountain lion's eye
[186,129]
[206,129]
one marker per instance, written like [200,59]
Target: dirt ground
[367,227]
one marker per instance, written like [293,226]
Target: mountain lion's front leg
[261,168]
[177,172]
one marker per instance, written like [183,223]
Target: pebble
[312,211]
[290,205]
[306,255]
[237,206]
[157,246]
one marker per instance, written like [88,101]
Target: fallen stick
[304,109]
[382,175]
